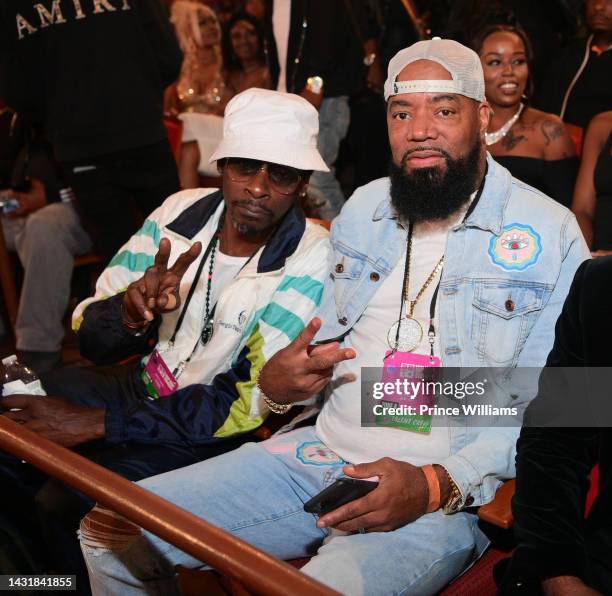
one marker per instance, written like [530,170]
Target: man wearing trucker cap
[213,284]
[450,260]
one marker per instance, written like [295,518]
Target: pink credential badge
[517,247]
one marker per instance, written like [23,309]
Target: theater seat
[326,223]
[9,282]
[174,130]
[576,134]
[498,513]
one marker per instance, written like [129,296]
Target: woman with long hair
[244,49]
[245,67]
[201,87]
[533,145]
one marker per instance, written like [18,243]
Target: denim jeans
[257,492]
[47,242]
[323,187]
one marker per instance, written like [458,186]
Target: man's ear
[484,114]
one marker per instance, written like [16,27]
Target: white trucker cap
[462,63]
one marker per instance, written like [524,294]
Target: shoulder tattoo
[552,130]
[510,141]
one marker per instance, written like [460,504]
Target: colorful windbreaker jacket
[262,310]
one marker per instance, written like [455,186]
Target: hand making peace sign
[157,291]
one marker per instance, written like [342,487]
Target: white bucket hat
[462,63]
[271,126]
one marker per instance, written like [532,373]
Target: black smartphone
[341,492]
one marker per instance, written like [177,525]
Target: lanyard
[196,279]
[431,333]
[210,316]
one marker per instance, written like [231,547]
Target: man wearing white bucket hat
[212,285]
[448,262]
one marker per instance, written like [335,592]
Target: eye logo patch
[315,453]
[517,248]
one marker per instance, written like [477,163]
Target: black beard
[428,194]
[244,229]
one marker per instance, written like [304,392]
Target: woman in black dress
[533,145]
[592,202]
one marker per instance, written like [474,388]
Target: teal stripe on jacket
[305,285]
[150,228]
[135,262]
[283,320]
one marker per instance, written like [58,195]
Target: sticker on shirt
[315,453]
[517,248]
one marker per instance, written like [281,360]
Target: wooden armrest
[499,511]
[256,571]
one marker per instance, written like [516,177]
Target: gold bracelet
[272,405]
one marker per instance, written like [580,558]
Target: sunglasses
[283,179]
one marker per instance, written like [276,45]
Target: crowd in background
[546,65]
[92,142]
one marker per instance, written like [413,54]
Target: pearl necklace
[493,137]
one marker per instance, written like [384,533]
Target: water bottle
[18,378]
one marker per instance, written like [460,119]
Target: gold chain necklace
[412,303]
[406,333]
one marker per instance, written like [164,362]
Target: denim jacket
[508,268]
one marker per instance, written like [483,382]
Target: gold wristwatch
[454,502]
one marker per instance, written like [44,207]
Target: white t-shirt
[225,269]
[281,24]
[339,423]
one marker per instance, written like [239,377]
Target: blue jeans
[46,241]
[323,187]
[257,492]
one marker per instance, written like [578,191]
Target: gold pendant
[409,336]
